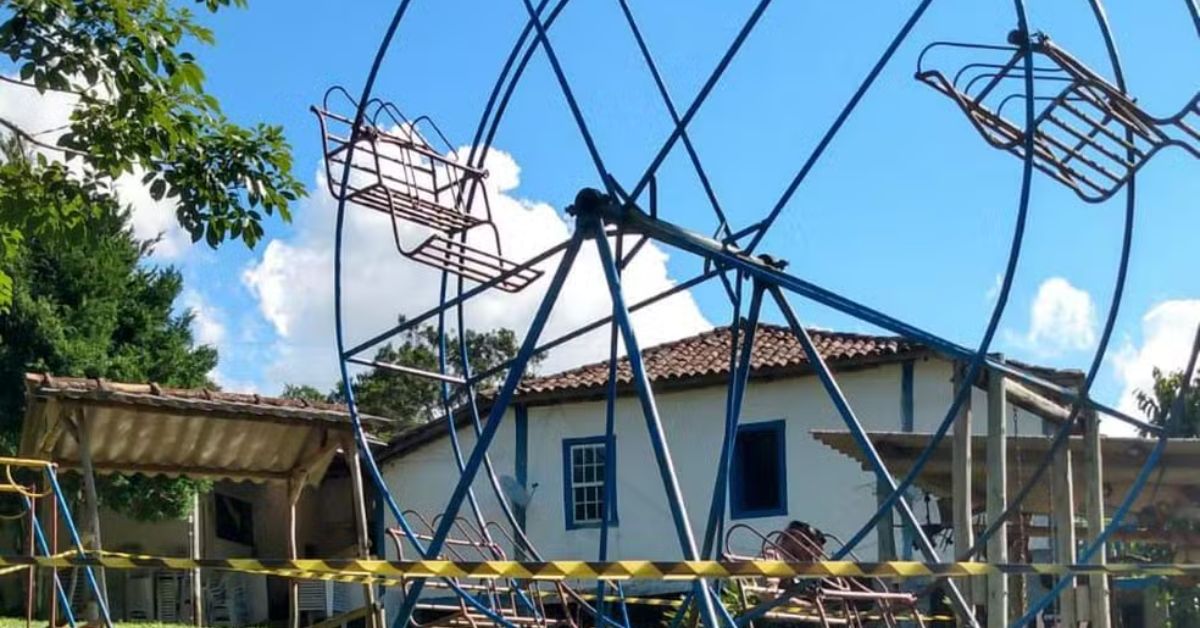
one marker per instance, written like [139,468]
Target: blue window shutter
[769,439]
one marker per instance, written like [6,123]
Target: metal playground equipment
[39,542]
[1033,100]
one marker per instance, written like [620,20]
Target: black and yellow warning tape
[614,570]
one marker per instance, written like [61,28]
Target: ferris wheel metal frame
[749,280]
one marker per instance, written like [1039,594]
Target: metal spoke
[495,418]
[723,222]
[829,382]
[740,358]
[658,440]
[837,124]
[563,84]
[705,90]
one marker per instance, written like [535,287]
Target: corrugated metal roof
[145,428]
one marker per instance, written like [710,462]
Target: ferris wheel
[1023,94]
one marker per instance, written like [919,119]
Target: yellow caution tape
[614,570]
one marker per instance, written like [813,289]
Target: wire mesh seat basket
[1087,133]
[521,603]
[396,169]
[831,601]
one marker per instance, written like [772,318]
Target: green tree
[93,307]
[140,109]
[410,400]
[303,392]
[1158,403]
[1180,418]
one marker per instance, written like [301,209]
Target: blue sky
[909,210]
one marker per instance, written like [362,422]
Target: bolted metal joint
[591,203]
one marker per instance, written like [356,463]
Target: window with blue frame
[758,475]
[584,465]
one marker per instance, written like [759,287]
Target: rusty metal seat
[396,169]
[1087,135]
[829,601]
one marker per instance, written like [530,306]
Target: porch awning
[1173,484]
[153,430]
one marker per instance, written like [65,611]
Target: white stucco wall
[823,487]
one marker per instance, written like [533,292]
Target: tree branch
[25,135]
[9,79]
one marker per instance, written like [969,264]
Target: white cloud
[1062,318]
[49,112]
[292,282]
[228,384]
[152,219]
[993,290]
[1168,330]
[207,320]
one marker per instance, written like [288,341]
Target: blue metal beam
[413,322]
[565,86]
[738,379]
[495,418]
[723,222]
[65,509]
[729,256]
[817,362]
[658,439]
[698,101]
[44,548]
[815,156]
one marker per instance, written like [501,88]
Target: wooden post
[997,496]
[885,529]
[375,618]
[1098,587]
[1019,553]
[197,552]
[295,487]
[83,430]
[964,534]
[1063,520]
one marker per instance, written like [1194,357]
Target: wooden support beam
[1027,399]
[1063,521]
[1093,459]
[48,414]
[294,489]
[92,501]
[997,496]
[964,534]
[363,535]
[197,553]
[885,529]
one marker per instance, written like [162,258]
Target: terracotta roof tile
[699,360]
[776,351]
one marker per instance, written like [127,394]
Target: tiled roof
[700,360]
[705,357]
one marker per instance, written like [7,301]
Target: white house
[550,442]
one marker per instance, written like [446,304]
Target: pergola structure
[1107,466]
[101,427]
